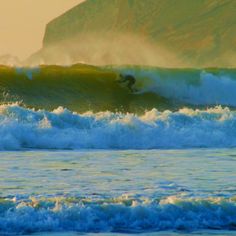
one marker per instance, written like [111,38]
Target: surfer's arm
[121,79]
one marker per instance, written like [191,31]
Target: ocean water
[23,128]
[82,88]
[113,192]
[80,154]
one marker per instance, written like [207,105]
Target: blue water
[111,192]
[23,128]
[160,172]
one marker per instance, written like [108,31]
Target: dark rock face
[154,32]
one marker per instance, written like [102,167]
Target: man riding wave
[130,79]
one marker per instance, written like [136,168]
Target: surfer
[130,79]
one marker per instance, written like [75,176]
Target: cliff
[155,32]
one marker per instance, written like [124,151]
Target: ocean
[121,191]
[82,155]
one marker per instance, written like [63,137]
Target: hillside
[177,33]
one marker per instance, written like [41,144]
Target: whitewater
[22,128]
[80,154]
[156,192]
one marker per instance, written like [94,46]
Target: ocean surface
[128,191]
[80,154]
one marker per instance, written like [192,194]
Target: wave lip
[116,215]
[22,128]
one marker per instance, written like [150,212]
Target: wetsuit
[131,81]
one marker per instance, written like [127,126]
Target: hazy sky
[22,23]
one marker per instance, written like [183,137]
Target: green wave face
[81,87]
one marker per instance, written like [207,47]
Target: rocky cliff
[176,33]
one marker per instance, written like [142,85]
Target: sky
[22,23]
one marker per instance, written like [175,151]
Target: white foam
[116,215]
[61,129]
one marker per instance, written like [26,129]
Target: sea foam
[116,215]
[22,128]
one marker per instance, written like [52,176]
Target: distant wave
[116,215]
[22,128]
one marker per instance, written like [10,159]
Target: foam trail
[61,129]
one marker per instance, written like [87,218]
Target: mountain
[172,33]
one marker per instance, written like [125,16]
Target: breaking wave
[82,87]
[121,214]
[22,128]
[188,86]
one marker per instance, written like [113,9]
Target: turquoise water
[111,192]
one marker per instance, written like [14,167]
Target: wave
[188,86]
[23,128]
[122,214]
[82,87]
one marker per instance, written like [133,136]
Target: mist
[116,49]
